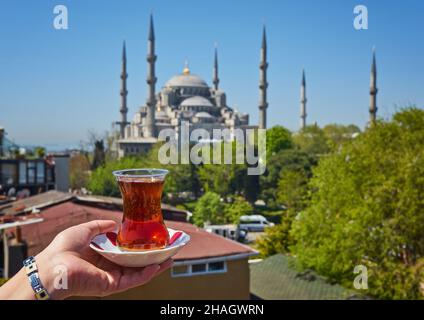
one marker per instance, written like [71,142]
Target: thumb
[96,227]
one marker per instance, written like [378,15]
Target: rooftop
[41,200]
[275,278]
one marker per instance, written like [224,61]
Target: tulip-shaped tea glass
[142,225]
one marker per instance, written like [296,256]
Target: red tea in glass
[142,225]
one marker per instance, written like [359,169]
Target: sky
[57,85]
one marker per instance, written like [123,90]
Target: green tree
[209,209]
[277,239]
[181,177]
[237,181]
[39,152]
[239,207]
[284,161]
[102,182]
[368,209]
[292,188]
[312,140]
[212,178]
[99,154]
[79,167]
[337,134]
[292,192]
[278,138]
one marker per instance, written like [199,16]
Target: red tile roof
[204,244]
[66,214]
[53,197]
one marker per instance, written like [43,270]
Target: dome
[186,80]
[203,115]
[196,101]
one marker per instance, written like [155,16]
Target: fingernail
[154,267]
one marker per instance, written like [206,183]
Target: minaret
[263,84]
[303,102]
[151,82]
[373,90]
[123,110]
[215,79]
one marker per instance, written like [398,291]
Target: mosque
[187,98]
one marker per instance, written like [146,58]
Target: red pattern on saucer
[112,237]
[105,244]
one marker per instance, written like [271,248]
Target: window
[40,172]
[31,172]
[180,270]
[216,266]
[199,269]
[22,172]
[9,173]
[50,174]
[251,222]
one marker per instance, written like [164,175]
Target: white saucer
[105,244]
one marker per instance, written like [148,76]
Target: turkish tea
[142,226]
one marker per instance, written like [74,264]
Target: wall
[234,284]
[62,173]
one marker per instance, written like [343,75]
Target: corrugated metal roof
[38,201]
[275,278]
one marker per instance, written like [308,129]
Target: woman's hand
[87,272]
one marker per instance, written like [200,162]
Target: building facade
[34,175]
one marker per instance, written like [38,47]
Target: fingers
[165,266]
[96,227]
[134,277]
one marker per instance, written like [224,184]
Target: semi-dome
[203,115]
[196,101]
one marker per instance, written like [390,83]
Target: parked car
[256,223]
[229,231]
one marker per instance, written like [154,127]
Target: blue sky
[55,85]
